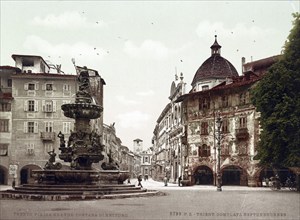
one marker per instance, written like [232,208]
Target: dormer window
[206,87]
[27,62]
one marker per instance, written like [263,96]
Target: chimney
[243,63]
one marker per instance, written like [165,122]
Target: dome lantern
[216,47]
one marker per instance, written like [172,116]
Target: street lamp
[218,137]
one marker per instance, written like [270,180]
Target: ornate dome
[215,66]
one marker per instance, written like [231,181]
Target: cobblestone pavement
[196,202]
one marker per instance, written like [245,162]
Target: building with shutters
[31,117]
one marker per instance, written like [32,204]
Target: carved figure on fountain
[51,165]
[111,165]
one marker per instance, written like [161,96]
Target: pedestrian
[166,181]
[14,183]
[179,180]
[140,181]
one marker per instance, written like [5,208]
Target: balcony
[48,136]
[242,133]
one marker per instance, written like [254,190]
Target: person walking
[166,181]
[179,180]
[140,181]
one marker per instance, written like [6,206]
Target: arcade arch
[203,175]
[234,175]
[3,175]
[26,173]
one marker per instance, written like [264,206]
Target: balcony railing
[242,133]
[48,136]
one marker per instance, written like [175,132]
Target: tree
[277,97]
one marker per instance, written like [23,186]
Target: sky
[139,46]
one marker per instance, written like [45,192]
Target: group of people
[166,180]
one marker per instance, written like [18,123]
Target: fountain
[82,149]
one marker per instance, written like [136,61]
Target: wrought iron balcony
[48,136]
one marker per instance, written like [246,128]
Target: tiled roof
[247,79]
[215,67]
[10,68]
[262,63]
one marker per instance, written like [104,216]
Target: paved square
[196,202]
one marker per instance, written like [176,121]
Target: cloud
[66,20]
[126,101]
[134,119]
[239,31]
[149,48]
[80,50]
[146,93]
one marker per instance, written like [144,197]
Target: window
[204,104]
[204,128]
[225,149]
[243,122]
[27,62]
[30,127]
[146,159]
[66,127]
[49,126]
[31,105]
[9,83]
[67,87]
[30,148]
[48,147]
[206,87]
[204,151]
[225,126]
[49,87]
[242,98]
[5,107]
[47,106]
[31,86]
[3,149]
[225,102]
[4,124]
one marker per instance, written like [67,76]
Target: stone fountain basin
[82,110]
[80,177]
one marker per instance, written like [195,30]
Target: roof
[14,56]
[215,67]
[262,63]
[247,79]
[43,75]
[163,113]
[10,68]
